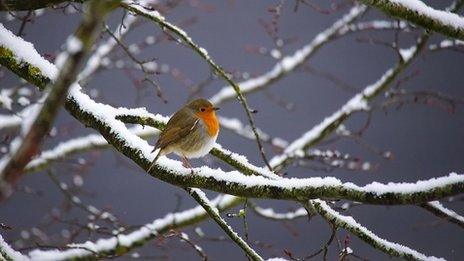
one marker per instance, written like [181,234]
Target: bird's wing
[184,125]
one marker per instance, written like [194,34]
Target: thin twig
[201,198]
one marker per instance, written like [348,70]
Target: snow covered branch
[76,145]
[8,253]
[363,233]
[417,12]
[436,208]
[269,213]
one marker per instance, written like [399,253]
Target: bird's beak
[216,108]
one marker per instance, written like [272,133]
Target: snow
[237,178]
[407,54]
[348,250]
[32,113]
[270,213]
[446,211]
[76,144]
[446,44]
[10,252]
[244,161]
[276,54]
[73,45]
[5,98]
[139,7]
[23,101]
[8,121]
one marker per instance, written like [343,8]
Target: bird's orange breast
[211,122]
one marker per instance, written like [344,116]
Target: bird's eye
[202,109]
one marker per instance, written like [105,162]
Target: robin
[190,133]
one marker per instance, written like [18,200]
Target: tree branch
[436,208]
[76,145]
[367,236]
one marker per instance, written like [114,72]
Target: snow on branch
[291,62]
[8,253]
[417,12]
[372,239]
[75,145]
[269,213]
[14,120]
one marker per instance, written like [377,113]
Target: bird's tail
[154,160]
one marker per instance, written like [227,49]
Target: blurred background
[417,137]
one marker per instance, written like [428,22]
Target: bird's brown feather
[178,126]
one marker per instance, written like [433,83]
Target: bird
[190,133]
